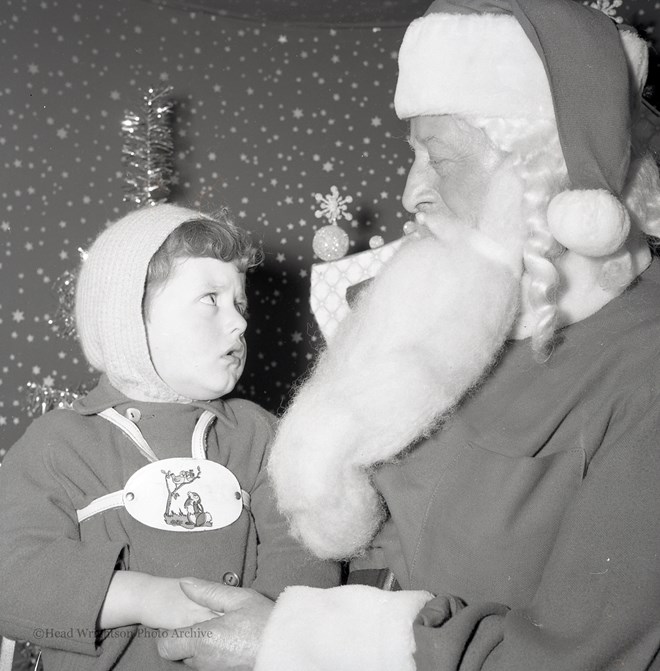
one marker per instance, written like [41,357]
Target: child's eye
[209,299]
[242,309]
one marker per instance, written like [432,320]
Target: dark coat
[534,514]
[56,572]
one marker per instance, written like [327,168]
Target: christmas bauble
[330,242]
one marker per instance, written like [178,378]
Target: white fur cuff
[350,628]
[476,64]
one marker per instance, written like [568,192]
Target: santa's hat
[553,59]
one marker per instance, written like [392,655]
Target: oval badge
[184,494]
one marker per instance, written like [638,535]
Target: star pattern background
[266,115]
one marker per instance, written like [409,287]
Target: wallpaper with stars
[266,115]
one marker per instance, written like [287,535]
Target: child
[87,555]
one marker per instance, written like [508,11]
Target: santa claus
[481,433]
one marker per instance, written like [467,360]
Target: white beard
[426,331]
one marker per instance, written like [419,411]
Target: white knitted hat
[109,295]
[552,59]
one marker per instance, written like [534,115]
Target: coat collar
[105,396]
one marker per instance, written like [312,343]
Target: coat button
[133,414]
[231,579]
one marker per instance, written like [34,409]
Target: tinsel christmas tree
[148,149]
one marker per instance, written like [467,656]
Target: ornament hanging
[148,150]
[331,242]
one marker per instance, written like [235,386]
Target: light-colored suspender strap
[199,446]
[199,434]
[112,500]
[7,654]
[130,430]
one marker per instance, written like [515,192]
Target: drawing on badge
[193,514]
[197,516]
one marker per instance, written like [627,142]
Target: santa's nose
[417,195]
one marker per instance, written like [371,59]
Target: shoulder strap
[198,449]
[198,443]
[130,430]
[112,500]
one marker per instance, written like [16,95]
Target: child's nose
[239,323]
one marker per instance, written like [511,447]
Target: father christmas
[530,517]
[485,424]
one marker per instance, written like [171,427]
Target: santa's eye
[440,163]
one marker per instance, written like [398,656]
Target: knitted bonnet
[550,59]
[109,295]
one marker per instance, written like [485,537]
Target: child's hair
[217,238]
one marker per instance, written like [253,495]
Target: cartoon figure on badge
[197,516]
[174,483]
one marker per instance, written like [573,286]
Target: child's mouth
[234,354]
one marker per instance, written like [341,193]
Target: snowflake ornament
[333,206]
[331,242]
[608,7]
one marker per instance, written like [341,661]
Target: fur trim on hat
[483,65]
[473,65]
[310,629]
[637,55]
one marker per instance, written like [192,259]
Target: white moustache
[420,337]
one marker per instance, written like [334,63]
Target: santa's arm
[596,606]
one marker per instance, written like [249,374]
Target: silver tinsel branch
[148,150]
[41,398]
[64,321]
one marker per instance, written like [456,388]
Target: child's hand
[165,606]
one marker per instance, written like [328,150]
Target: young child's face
[195,327]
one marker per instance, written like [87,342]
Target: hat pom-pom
[588,222]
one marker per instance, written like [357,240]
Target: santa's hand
[230,641]
[166,606]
